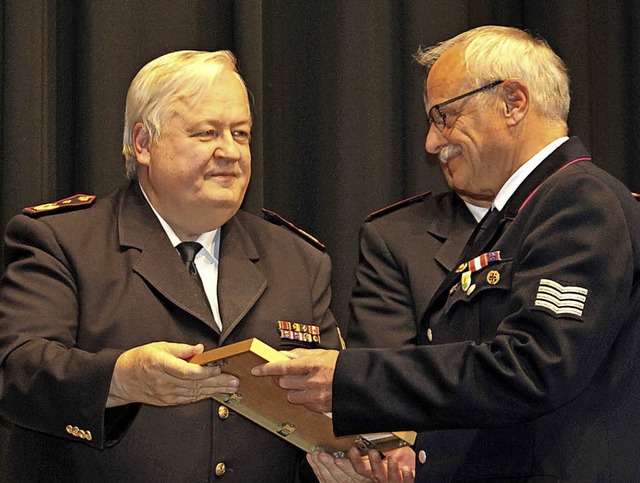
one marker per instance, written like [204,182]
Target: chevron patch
[560,299]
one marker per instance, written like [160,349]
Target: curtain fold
[339,121]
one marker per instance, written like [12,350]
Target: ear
[141,141]
[515,96]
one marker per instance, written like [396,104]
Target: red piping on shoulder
[536,190]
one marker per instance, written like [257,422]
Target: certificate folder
[261,400]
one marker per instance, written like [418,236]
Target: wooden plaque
[264,402]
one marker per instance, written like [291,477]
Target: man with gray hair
[104,301]
[529,363]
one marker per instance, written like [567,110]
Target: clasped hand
[159,374]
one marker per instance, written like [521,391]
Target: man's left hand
[308,377]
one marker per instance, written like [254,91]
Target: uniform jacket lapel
[452,231]
[159,263]
[449,251]
[240,281]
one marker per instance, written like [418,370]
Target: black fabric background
[339,121]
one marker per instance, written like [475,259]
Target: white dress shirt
[478,212]
[206,260]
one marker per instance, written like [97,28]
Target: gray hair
[182,76]
[492,53]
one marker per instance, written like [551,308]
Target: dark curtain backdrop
[339,120]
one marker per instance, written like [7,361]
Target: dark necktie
[487,228]
[188,251]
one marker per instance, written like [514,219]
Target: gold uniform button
[422,456]
[223,412]
[221,469]
[429,334]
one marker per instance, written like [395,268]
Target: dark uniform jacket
[405,252]
[83,286]
[533,373]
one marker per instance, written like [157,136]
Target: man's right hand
[159,374]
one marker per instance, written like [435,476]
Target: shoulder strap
[276,219]
[396,206]
[66,204]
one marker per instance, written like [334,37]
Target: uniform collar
[516,179]
[568,152]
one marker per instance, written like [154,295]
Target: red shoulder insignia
[65,204]
[276,219]
[395,206]
[636,196]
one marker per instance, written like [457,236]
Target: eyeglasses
[438,118]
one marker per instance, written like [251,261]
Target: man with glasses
[529,363]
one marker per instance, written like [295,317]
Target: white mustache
[449,151]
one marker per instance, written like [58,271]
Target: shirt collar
[210,240]
[523,171]
[478,212]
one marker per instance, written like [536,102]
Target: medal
[465,280]
[493,277]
